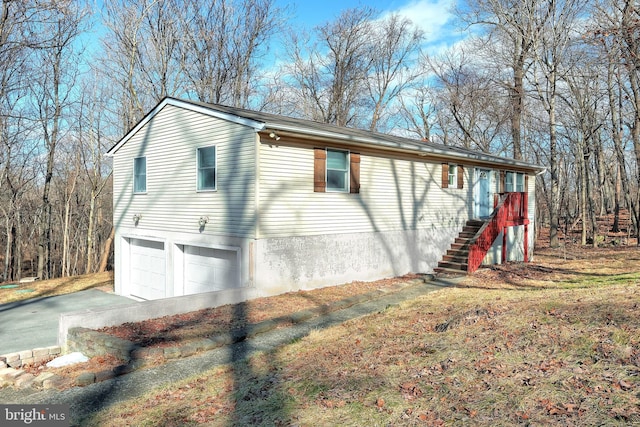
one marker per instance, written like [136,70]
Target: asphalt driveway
[33,323]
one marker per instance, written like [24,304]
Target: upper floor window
[206,168]
[140,175]
[337,170]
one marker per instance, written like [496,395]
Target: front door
[482,196]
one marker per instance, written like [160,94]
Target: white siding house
[209,198]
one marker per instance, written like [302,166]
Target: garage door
[147,269]
[207,269]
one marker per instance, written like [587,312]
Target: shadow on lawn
[516,275]
[256,391]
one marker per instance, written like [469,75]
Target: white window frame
[215,169]
[509,181]
[452,177]
[519,185]
[511,184]
[347,176]
[137,175]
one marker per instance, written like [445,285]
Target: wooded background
[553,82]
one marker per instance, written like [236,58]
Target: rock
[53,382]
[85,379]
[25,380]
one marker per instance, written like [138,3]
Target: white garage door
[207,269]
[148,269]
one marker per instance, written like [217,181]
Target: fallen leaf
[410,390]
[625,385]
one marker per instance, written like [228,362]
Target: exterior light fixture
[136,218]
[203,221]
[274,136]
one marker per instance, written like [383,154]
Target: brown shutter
[354,167]
[526,183]
[319,170]
[445,175]
[502,178]
[460,176]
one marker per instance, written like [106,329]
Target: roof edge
[415,148]
[188,106]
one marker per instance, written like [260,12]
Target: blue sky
[432,16]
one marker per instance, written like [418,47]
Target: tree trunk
[616,209]
[554,207]
[516,105]
[92,208]
[7,275]
[583,195]
[106,251]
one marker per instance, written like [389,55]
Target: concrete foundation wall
[294,263]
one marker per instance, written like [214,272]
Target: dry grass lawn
[556,342]
[14,291]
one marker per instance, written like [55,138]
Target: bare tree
[473,101]
[124,62]
[329,75]
[616,34]
[93,130]
[552,61]
[393,69]
[512,29]
[419,110]
[16,20]
[52,93]
[221,45]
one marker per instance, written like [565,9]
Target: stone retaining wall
[92,343]
[29,357]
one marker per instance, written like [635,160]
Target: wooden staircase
[456,260]
[477,236]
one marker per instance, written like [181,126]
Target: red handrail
[511,210]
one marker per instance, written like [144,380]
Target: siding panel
[394,195]
[169,142]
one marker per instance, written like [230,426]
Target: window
[337,170]
[206,168]
[452,176]
[509,182]
[514,181]
[520,182]
[140,175]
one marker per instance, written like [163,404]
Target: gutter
[419,149]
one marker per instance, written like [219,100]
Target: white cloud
[434,17]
